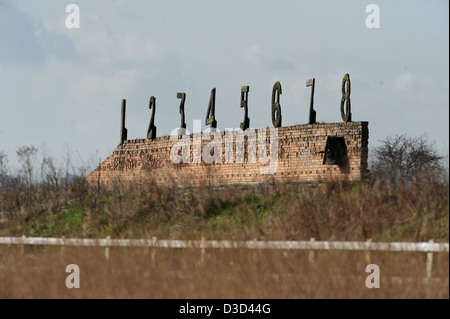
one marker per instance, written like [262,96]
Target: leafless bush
[50,174]
[406,159]
[26,155]
[3,169]
[37,168]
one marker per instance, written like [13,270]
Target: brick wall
[297,154]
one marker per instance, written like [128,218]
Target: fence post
[202,251]
[154,244]
[311,251]
[22,247]
[62,250]
[107,247]
[430,262]
[367,256]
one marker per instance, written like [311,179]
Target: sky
[61,88]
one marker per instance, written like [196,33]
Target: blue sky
[62,88]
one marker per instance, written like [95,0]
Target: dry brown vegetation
[336,210]
[226,274]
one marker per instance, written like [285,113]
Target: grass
[335,210]
[291,211]
[176,273]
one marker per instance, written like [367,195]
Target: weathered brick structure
[300,152]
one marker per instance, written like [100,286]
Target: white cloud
[253,55]
[18,44]
[332,81]
[96,43]
[267,59]
[133,47]
[404,81]
[100,85]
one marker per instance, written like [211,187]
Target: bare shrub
[405,159]
[26,155]
[3,169]
[50,174]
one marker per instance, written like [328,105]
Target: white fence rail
[428,247]
[253,244]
